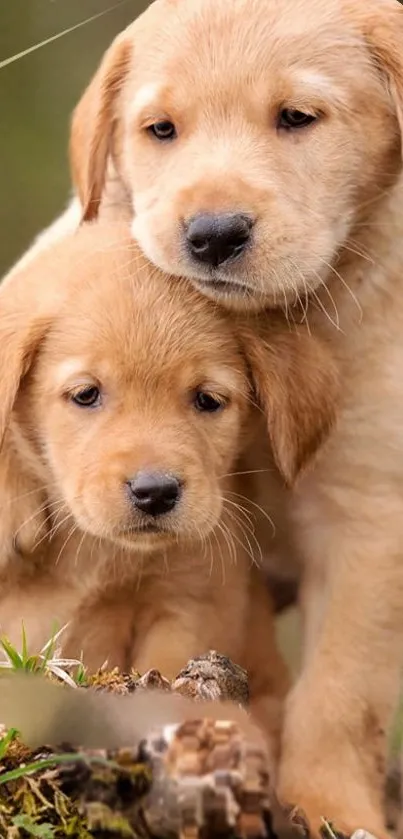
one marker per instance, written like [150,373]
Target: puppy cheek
[201,502]
[79,484]
[202,511]
[160,238]
[281,269]
[72,490]
[143,230]
[60,471]
[102,504]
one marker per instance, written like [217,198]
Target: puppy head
[247,176]
[131,393]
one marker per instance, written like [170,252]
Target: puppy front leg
[335,736]
[269,680]
[312,602]
[168,646]
[102,631]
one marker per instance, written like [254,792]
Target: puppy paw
[328,799]
[324,817]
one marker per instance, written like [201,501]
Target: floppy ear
[93,124]
[23,514]
[23,324]
[381,22]
[296,384]
[30,298]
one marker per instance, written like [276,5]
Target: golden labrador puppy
[126,399]
[257,144]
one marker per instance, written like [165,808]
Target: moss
[37,808]
[31,803]
[101,818]
[96,795]
[113,681]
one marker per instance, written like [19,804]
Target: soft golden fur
[305,190]
[82,553]
[327,246]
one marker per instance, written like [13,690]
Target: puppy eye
[163,130]
[87,397]
[293,119]
[206,403]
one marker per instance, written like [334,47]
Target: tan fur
[142,599]
[328,248]
[229,154]
[91,143]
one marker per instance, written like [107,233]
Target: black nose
[214,239]
[154,493]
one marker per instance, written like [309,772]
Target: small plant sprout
[7,738]
[48,660]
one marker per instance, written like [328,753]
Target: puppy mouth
[145,529]
[223,288]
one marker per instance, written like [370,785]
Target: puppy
[276,180]
[127,399]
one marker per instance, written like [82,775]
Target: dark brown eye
[292,119]
[206,403]
[87,397]
[163,130]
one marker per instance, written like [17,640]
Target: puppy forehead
[154,101]
[69,369]
[206,37]
[147,96]
[155,330]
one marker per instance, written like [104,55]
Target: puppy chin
[144,542]
[137,538]
[232,295]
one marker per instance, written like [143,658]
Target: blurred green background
[37,94]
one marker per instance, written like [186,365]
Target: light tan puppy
[126,399]
[257,145]
[275,179]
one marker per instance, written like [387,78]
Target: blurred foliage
[37,94]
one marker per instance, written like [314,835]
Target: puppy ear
[23,324]
[295,381]
[24,320]
[382,24]
[93,123]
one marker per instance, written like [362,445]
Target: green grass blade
[50,763]
[24,651]
[5,741]
[11,653]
